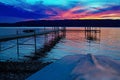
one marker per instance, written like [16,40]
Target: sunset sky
[18,10]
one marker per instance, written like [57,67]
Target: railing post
[45,36]
[64,31]
[0,47]
[52,33]
[18,52]
[35,42]
[57,31]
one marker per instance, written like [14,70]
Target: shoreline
[19,70]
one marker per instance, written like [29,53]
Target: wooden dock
[12,37]
[97,31]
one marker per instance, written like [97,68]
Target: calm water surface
[106,43]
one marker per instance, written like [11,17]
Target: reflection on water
[29,48]
[106,42]
[97,41]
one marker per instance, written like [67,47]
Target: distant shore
[65,23]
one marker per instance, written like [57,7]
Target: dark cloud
[7,10]
[104,9]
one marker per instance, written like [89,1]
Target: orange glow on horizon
[86,14]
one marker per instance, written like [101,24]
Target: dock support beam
[0,47]
[56,34]
[18,52]
[35,42]
[46,36]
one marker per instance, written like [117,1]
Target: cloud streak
[84,13]
[67,9]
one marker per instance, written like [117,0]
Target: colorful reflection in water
[106,42]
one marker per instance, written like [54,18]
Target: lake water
[106,42]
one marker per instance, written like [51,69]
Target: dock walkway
[12,37]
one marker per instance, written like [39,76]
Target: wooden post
[35,42]
[85,32]
[58,32]
[45,36]
[18,52]
[0,47]
[64,31]
[52,34]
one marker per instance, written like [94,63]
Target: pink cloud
[86,14]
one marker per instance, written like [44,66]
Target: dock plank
[12,37]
